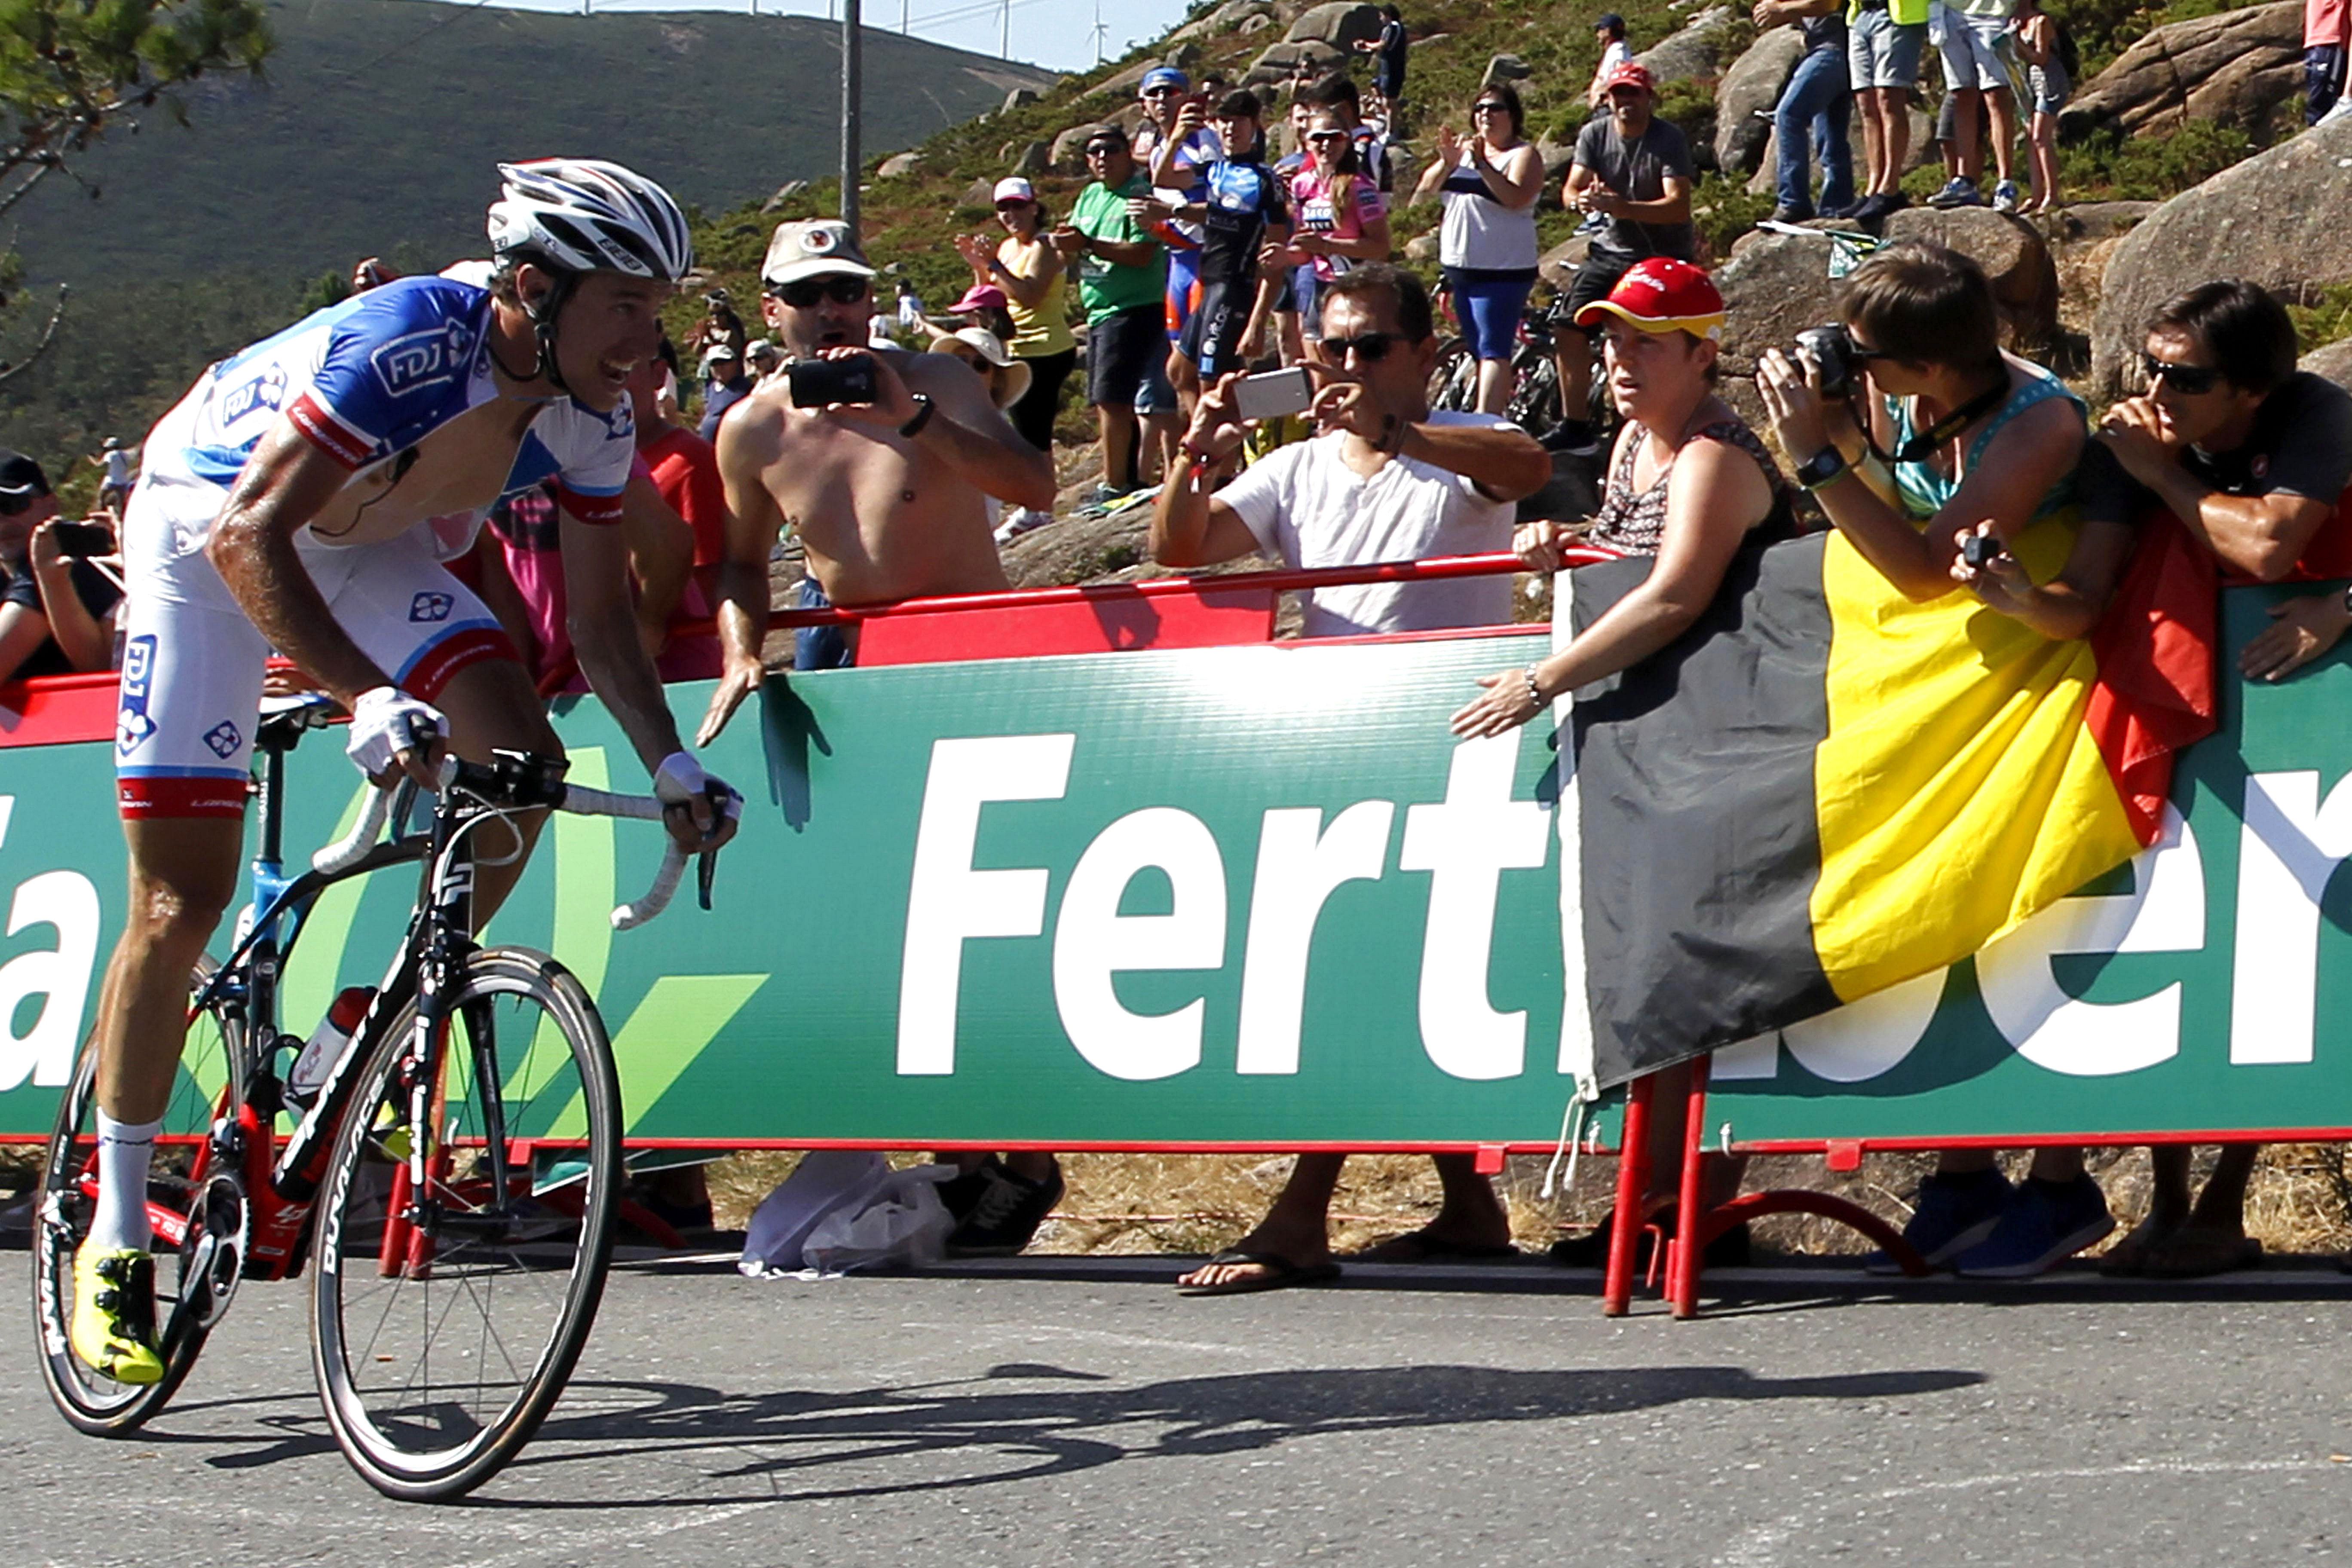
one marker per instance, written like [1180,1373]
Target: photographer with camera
[1935,454]
[58,611]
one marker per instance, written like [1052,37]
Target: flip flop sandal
[1280,1274]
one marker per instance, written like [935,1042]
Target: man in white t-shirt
[1386,481]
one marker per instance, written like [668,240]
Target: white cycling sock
[124,1149]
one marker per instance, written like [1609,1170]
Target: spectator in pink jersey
[1342,219]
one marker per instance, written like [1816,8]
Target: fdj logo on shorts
[223,739]
[421,359]
[132,725]
[429,606]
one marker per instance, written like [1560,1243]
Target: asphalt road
[1077,1411]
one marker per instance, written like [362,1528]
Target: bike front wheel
[195,1198]
[465,1226]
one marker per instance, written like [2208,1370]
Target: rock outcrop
[2333,360]
[1341,24]
[1750,90]
[2241,68]
[1696,50]
[1280,62]
[2276,219]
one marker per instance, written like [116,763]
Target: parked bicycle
[1535,404]
[455,1179]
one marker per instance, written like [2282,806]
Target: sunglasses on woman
[2189,380]
[841,288]
[1490,109]
[1322,138]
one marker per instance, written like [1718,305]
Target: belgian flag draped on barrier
[1824,789]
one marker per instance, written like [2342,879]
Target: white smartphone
[1272,394]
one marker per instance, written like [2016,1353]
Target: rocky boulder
[1697,50]
[897,165]
[2090,222]
[1069,153]
[1340,23]
[980,194]
[1506,67]
[1019,97]
[2014,256]
[2276,219]
[1228,17]
[2333,360]
[2241,68]
[1750,90]
[1280,62]
[785,193]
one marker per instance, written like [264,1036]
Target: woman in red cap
[1689,483]
[1689,486]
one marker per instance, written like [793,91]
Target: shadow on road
[795,1438]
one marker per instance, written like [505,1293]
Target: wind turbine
[1101,32]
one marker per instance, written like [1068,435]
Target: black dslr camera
[1832,349]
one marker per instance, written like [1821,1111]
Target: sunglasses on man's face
[2189,380]
[1158,93]
[1369,348]
[808,291]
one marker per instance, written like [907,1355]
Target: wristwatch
[1822,467]
[914,428]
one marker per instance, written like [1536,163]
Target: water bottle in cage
[318,1053]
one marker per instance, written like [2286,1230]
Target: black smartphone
[817,382]
[83,539]
[1979,550]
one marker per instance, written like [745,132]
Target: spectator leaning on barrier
[1884,42]
[1813,112]
[1981,443]
[1386,481]
[1122,278]
[1689,486]
[886,496]
[1488,180]
[57,610]
[1633,169]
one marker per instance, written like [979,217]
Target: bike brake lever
[706,869]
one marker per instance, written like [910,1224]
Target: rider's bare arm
[661,558]
[603,624]
[287,481]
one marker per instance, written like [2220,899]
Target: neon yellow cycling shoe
[113,1328]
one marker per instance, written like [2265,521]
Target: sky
[1059,34]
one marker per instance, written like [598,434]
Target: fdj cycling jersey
[366,382]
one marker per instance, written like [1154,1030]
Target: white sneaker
[1021,520]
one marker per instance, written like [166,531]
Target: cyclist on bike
[286,504]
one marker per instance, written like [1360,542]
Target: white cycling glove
[386,720]
[680,779]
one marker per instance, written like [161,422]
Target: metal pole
[852,69]
[902,19]
[1005,34]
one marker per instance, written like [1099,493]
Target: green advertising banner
[1257,896]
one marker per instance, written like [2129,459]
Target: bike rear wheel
[1454,381]
[190,1285]
[446,1316]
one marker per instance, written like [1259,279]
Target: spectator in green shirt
[1122,276]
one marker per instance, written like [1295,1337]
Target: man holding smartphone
[57,612]
[1386,479]
[879,464]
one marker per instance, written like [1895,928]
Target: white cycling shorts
[192,662]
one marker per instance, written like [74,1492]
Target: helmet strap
[542,316]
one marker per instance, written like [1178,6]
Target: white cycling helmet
[582,215]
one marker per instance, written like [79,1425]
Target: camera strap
[1924,443]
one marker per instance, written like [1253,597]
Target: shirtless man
[886,497]
[286,503]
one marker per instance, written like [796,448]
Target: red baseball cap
[1632,73]
[1663,295]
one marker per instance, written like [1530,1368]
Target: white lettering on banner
[948,900]
[1865,1038]
[2164,912]
[1300,863]
[1466,845]
[60,976]
[2289,847]
[1093,941]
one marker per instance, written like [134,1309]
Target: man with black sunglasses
[885,494]
[1386,479]
[57,610]
[2250,453]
